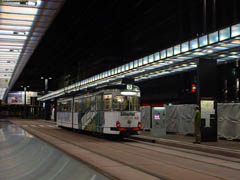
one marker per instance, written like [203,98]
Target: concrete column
[206,97]
[47,111]
[55,112]
[25,102]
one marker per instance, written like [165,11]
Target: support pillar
[25,102]
[237,96]
[206,97]
[55,112]
[47,111]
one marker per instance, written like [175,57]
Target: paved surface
[222,147]
[189,139]
[25,157]
[137,160]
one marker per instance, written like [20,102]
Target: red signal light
[194,88]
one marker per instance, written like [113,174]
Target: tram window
[59,107]
[62,107]
[134,103]
[99,102]
[93,103]
[125,103]
[81,105]
[87,104]
[76,106]
[69,106]
[107,101]
[120,103]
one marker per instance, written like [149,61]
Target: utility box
[158,121]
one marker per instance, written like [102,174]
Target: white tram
[109,110]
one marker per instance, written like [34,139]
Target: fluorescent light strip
[17,16]
[15,28]
[18,10]
[13,22]
[9,43]
[9,49]
[13,37]
[188,52]
[9,53]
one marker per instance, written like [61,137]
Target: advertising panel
[16,97]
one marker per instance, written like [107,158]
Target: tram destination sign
[127,113]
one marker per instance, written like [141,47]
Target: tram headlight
[118,124]
[139,125]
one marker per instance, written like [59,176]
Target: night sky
[89,37]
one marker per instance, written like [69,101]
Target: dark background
[89,37]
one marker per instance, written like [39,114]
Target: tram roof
[22,25]
[94,90]
[222,45]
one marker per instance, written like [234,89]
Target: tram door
[158,121]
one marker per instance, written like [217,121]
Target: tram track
[141,151]
[100,141]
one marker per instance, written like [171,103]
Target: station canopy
[222,45]
[22,25]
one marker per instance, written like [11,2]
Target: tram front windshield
[126,103]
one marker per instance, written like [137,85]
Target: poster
[18,97]
[207,108]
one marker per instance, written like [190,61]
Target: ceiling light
[222,55]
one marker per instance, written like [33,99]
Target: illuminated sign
[129,86]
[127,113]
[194,88]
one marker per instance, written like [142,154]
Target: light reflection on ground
[25,157]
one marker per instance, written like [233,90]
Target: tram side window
[59,107]
[69,106]
[98,102]
[64,106]
[87,106]
[81,105]
[107,102]
[76,106]
[93,103]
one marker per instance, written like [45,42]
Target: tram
[108,110]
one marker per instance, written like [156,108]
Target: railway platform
[138,158]
[221,147]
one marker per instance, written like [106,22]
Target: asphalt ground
[25,157]
[135,159]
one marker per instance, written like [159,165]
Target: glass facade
[177,49]
[203,41]
[213,37]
